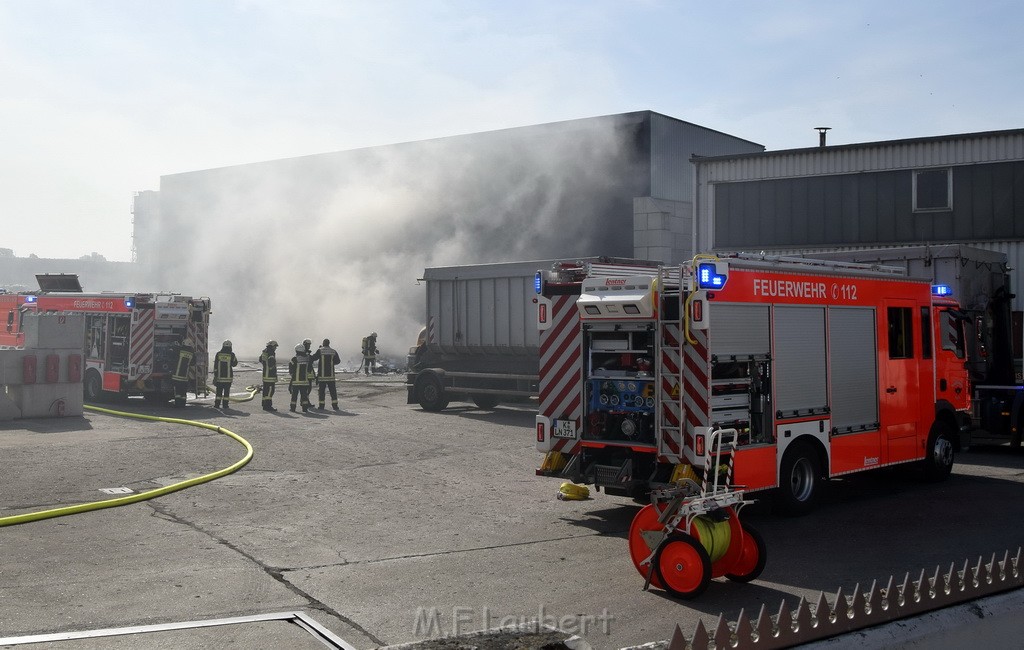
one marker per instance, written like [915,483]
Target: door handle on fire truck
[890,389]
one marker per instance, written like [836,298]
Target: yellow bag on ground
[572,492]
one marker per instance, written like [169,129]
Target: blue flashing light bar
[708,276]
[941,290]
[30,298]
[129,303]
[538,282]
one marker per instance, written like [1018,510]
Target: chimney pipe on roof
[821,134]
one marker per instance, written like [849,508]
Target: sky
[99,99]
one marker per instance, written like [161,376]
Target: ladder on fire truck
[668,374]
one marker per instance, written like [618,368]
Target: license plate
[564,429]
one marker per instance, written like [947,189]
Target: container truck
[979,280]
[480,339]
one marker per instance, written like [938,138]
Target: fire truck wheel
[683,566]
[92,386]
[752,557]
[486,402]
[938,464]
[431,393]
[799,481]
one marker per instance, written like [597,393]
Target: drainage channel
[300,620]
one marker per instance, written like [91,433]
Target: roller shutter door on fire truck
[853,360]
[739,330]
[800,386]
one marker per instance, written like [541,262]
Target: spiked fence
[864,609]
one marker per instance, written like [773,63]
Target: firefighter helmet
[327,341]
[227,344]
[307,342]
[271,344]
[300,348]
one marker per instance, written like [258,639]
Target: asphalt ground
[387,525]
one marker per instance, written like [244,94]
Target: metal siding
[673,143]
[853,367]
[799,358]
[738,329]
[964,150]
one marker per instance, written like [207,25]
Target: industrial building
[616,185]
[964,188]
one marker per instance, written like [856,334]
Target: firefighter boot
[293,408]
[335,406]
[320,406]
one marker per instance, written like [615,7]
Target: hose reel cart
[691,533]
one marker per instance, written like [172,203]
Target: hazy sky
[98,99]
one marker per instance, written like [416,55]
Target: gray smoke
[331,245]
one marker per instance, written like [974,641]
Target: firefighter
[268,359]
[223,374]
[184,356]
[326,358]
[369,353]
[300,370]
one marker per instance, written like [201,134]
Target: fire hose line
[252,390]
[142,496]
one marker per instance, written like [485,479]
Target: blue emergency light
[129,303]
[30,298]
[538,282]
[941,290]
[708,276]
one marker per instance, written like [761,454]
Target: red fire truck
[130,338]
[820,368]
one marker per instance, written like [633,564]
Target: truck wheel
[799,481]
[486,402]
[938,464]
[431,394]
[92,386]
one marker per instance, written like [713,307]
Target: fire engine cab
[821,368]
[130,338]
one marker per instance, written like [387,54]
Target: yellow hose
[142,496]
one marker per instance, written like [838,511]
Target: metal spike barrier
[862,610]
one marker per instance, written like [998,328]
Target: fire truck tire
[752,557]
[485,402]
[683,566]
[92,386]
[799,481]
[938,464]
[430,393]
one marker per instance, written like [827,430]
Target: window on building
[933,190]
[901,333]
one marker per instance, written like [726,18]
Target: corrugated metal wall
[850,160]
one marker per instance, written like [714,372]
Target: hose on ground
[142,496]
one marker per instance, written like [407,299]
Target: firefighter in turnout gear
[300,370]
[184,357]
[370,353]
[224,363]
[268,359]
[326,358]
